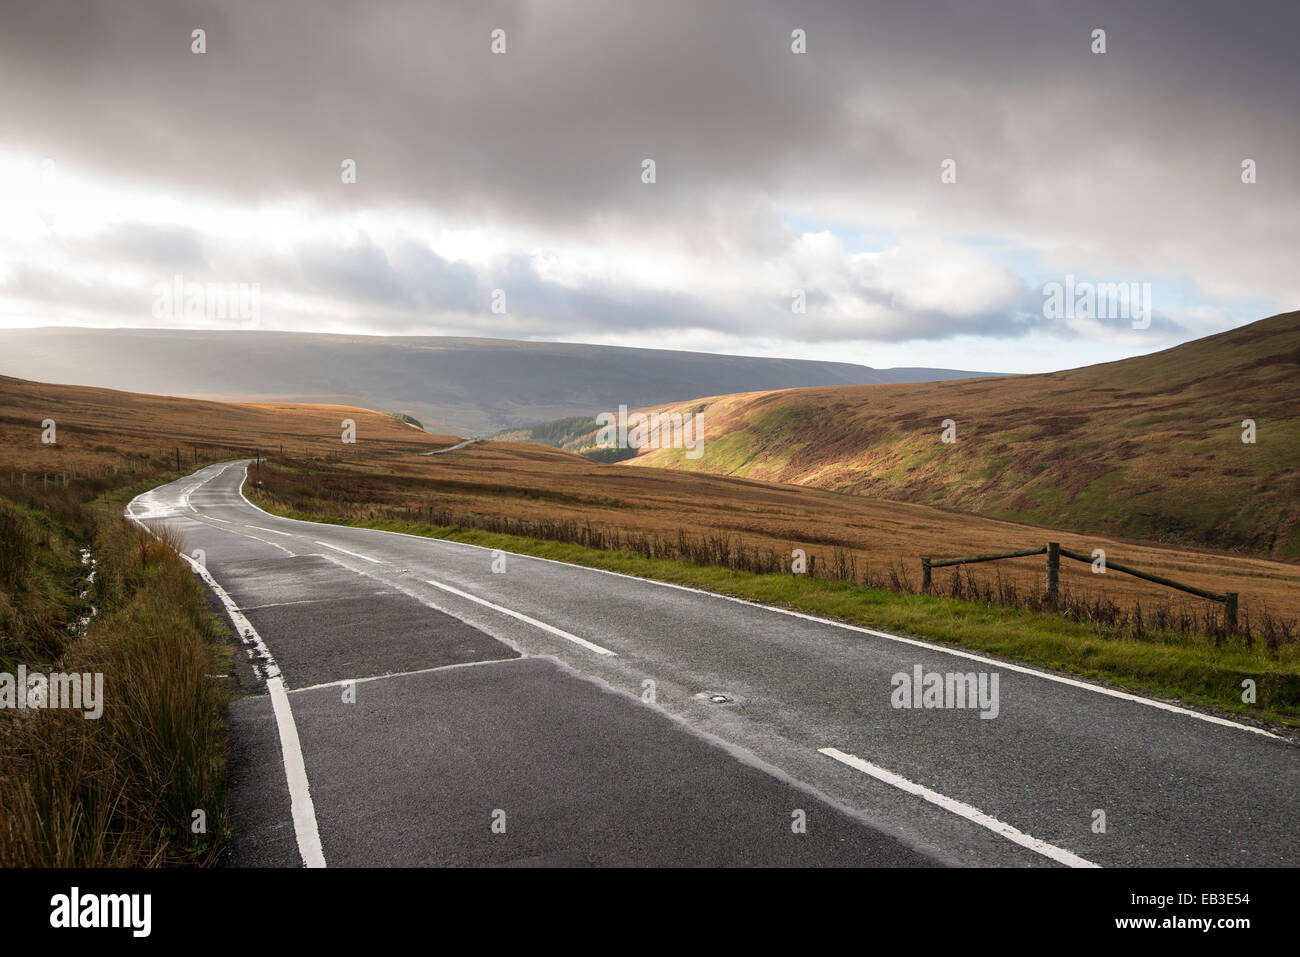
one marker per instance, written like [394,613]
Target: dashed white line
[900,639]
[975,815]
[271,530]
[373,561]
[550,629]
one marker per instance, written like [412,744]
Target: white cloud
[522,172]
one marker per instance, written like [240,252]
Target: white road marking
[550,629]
[919,643]
[403,674]
[255,538]
[373,561]
[932,646]
[271,530]
[975,815]
[213,518]
[318,601]
[295,771]
[423,598]
[264,542]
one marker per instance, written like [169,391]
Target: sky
[918,175]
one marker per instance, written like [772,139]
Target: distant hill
[1149,447]
[453,385]
[95,428]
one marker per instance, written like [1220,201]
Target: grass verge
[121,789]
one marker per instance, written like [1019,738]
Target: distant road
[452,448]
[504,717]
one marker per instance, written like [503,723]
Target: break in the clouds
[126,159]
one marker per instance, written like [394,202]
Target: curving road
[419,702]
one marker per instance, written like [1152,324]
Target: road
[419,702]
[451,448]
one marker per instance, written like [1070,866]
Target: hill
[385,475]
[1149,447]
[452,385]
[98,428]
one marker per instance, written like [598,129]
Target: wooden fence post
[1053,570]
[1230,611]
[925,576]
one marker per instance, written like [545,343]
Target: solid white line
[1058,854]
[932,646]
[271,530]
[551,629]
[295,771]
[373,561]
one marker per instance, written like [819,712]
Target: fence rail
[1054,551]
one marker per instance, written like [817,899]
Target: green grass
[1165,665]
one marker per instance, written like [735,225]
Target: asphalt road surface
[418,702]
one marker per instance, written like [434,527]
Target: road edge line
[302,808]
[306,830]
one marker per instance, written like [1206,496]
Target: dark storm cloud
[1129,158]
[557,127]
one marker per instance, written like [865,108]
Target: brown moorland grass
[98,429]
[1146,448]
[546,487]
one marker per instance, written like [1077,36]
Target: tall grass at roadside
[120,790]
